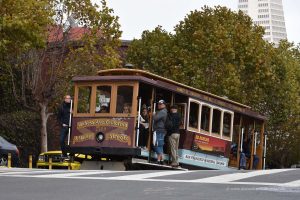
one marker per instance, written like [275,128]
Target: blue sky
[139,15]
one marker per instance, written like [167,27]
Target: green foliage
[22,24]
[39,58]
[154,52]
[21,128]
[97,49]
[223,52]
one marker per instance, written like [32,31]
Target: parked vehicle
[6,148]
[59,161]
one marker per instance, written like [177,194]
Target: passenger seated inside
[104,109]
[127,108]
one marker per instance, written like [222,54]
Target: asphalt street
[26,184]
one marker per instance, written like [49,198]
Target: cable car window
[205,118]
[216,122]
[181,111]
[84,99]
[227,124]
[194,115]
[103,98]
[124,99]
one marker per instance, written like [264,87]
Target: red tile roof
[74,34]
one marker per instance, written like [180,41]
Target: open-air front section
[215,132]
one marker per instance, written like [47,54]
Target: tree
[77,27]
[211,47]
[282,105]
[153,52]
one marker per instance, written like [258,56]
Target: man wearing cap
[173,135]
[159,120]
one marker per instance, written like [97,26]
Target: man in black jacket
[64,118]
[174,135]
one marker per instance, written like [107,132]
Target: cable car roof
[133,73]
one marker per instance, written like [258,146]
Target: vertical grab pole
[241,145]
[70,122]
[242,139]
[150,137]
[255,140]
[138,125]
[265,152]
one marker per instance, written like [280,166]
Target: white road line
[144,176]
[29,172]
[75,174]
[148,175]
[238,176]
[150,180]
[292,184]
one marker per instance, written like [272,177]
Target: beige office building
[266,13]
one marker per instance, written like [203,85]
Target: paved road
[25,184]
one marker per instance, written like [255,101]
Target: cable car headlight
[100,137]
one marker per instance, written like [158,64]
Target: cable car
[214,130]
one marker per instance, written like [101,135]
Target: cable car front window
[124,99]
[84,99]
[103,98]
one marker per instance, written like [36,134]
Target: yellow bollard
[50,163]
[69,164]
[30,161]
[9,160]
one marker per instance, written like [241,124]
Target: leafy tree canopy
[223,52]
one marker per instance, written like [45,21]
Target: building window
[205,118]
[124,99]
[263,5]
[84,97]
[194,115]
[103,98]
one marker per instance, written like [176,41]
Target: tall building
[268,14]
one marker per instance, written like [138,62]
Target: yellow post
[30,161]
[9,160]
[50,163]
[69,164]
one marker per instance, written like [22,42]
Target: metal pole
[138,125]
[69,164]
[150,137]
[9,160]
[255,140]
[30,161]
[265,152]
[242,139]
[70,122]
[241,145]
[50,163]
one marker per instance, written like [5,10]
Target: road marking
[230,179]
[292,184]
[238,176]
[148,175]
[75,174]
[29,172]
